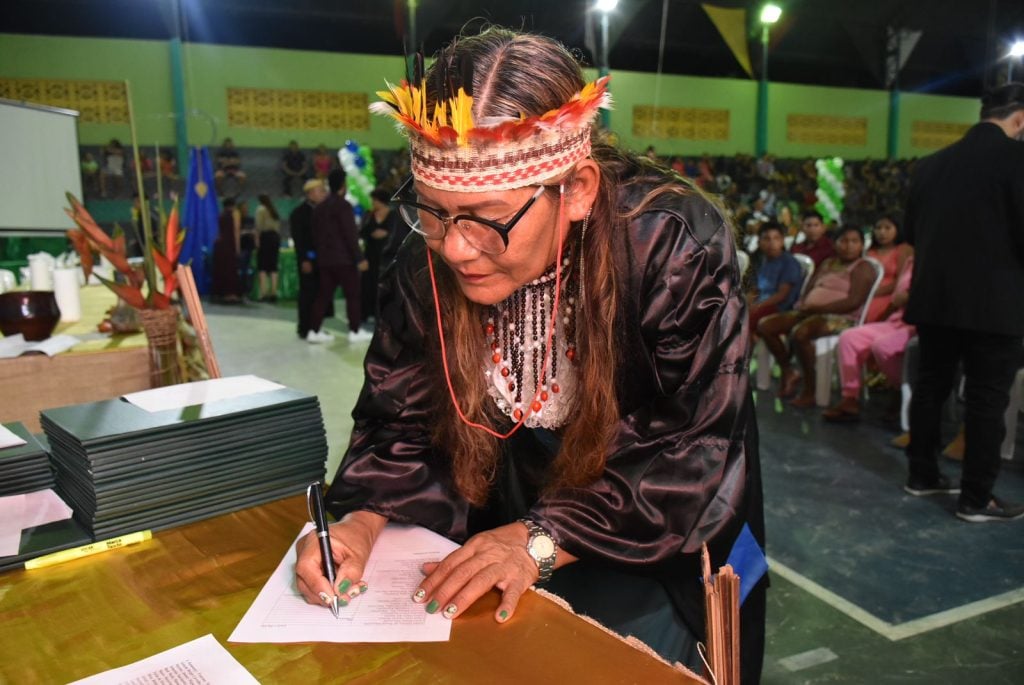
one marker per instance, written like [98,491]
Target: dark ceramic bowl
[32,313]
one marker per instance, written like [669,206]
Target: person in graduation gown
[596,457]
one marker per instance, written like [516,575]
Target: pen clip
[309,500]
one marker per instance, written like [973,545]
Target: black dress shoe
[995,510]
[919,487]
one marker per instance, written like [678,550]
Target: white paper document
[386,613]
[201,662]
[9,438]
[16,345]
[201,392]
[28,510]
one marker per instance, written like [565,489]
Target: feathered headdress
[452,152]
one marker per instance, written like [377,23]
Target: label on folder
[200,392]
[9,438]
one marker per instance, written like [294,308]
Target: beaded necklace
[516,334]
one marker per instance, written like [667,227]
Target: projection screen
[39,164]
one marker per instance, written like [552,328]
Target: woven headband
[449,152]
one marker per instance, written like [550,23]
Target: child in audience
[779,277]
[884,341]
[834,298]
[889,249]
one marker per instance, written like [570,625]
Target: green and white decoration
[831,190]
[357,161]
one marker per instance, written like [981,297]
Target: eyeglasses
[486,235]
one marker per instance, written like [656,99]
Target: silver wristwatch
[542,548]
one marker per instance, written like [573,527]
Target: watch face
[542,547]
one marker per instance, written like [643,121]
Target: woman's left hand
[493,559]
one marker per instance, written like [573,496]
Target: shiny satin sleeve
[390,467]
[677,472]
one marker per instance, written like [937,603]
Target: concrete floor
[868,585]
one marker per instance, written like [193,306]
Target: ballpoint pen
[315,502]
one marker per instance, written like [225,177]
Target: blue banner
[200,218]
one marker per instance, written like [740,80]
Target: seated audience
[816,244]
[293,168]
[90,169]
[834,298]
[888,248]
[883,341]
[229,165]
[779,277]
[323,162]
[112,173]
[168,165]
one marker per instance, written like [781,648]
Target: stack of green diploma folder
[122,468]
[24,468]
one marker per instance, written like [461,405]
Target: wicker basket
[161,327]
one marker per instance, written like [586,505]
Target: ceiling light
[770,14]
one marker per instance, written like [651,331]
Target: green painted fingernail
[503,615]
[342,602]
[432,607]
[344,585]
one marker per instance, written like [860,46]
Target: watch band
[541,548]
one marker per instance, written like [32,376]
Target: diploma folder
[24,468]
[122,468]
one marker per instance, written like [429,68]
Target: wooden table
[85,616]
[91,371]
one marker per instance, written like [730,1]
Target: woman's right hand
[352,538]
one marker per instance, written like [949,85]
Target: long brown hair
[515,74]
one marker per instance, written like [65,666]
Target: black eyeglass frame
[502,229]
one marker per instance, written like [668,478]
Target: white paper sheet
[201,392]
[201,662]
[12,510]
[16,345]
[29,510]
[386,613]
[8,438]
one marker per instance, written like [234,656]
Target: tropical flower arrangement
[149,286]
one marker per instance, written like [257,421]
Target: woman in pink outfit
[884,341]
[892,253]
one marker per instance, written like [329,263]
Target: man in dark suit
[300,222]
[339,262]
[965,219]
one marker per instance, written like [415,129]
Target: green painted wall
[145,63]
[211,69]
[630,88]
[919,107]
[787,98]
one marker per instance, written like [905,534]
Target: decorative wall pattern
[933,135]
[686,123]
[829,130]
[310,110]
[97,102]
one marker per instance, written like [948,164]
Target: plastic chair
[1010,418]
[763,379]
[807,267]
[906,384]
[825,347]
[1006,450]
[7,280]
[744,262]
